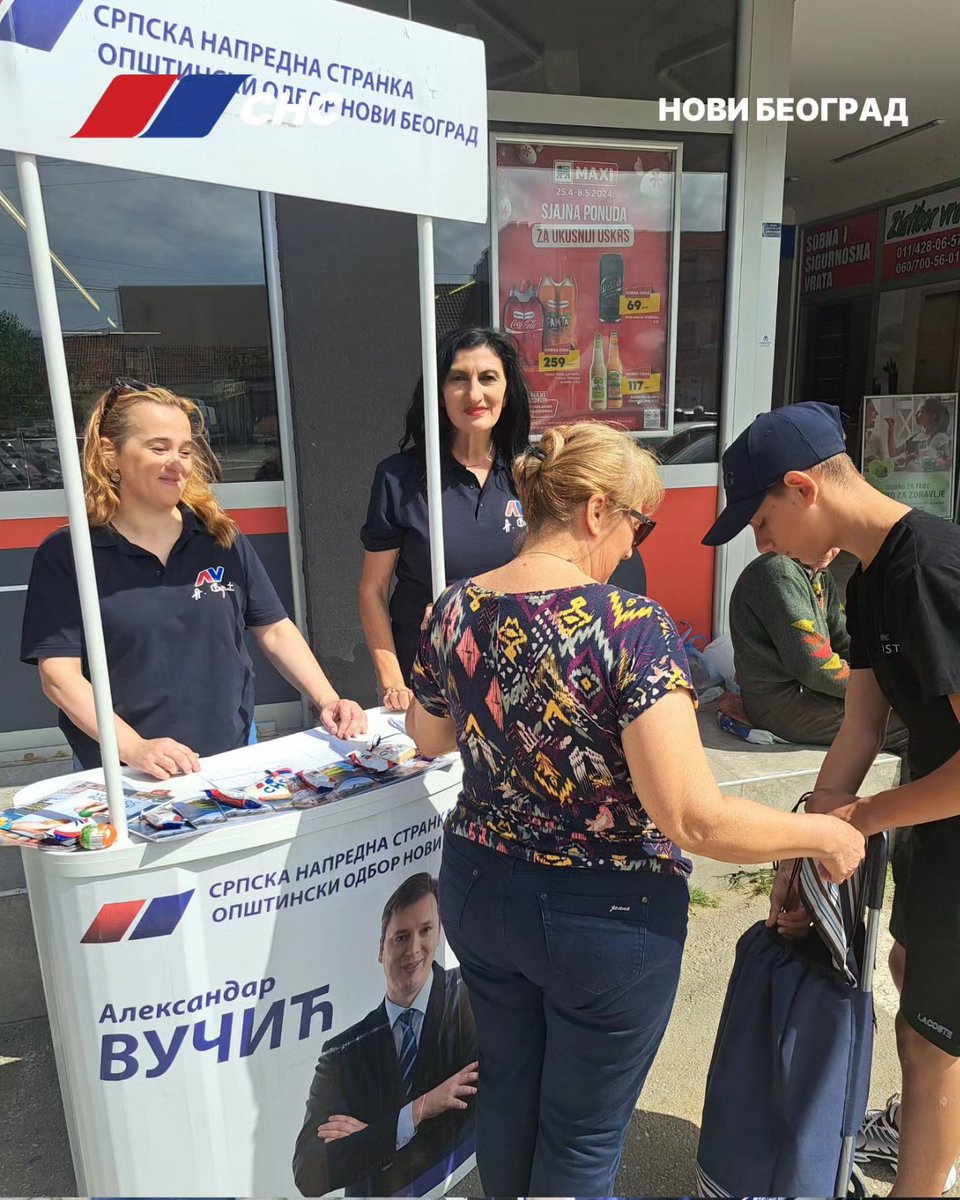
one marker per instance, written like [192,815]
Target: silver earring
[115,477]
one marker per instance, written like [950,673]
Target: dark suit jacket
[358,1074]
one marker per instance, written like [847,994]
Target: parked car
[693,443]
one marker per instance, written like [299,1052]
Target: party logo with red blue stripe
[139,918]
[161,106]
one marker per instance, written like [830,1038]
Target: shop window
[834,359]
[162,281]
[462,265]
[629,50]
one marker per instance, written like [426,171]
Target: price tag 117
[646,385]
[567,360]
[639,304]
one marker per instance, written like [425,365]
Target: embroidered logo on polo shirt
[212,579]
[514,512]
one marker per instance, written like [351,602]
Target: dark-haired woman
[484,424]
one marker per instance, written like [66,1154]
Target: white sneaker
[879,1139]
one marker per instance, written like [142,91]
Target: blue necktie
[408,1050]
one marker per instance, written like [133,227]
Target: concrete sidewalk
[661,1144]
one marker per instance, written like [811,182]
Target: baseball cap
[787,439]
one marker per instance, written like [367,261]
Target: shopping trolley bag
[790,1075]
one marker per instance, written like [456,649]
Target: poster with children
[910,449]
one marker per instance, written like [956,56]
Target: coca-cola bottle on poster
[611,287]
[523,317]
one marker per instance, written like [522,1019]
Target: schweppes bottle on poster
[598,378]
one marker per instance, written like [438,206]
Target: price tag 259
[567,360]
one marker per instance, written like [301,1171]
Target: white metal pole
[39,246]
[431,403]
[291,489]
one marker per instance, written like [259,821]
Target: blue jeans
[572,973]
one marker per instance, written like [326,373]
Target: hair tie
[538,452]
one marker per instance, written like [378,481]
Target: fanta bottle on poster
[614,374]
[567,309]
[598,377]
[547,293]
[523,317]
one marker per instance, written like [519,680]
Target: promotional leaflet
[910,449]
[585,262]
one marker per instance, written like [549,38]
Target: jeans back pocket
[595,942]
[457,878]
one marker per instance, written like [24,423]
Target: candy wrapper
[275,789]
[383,756]
[329,783]
[164,818]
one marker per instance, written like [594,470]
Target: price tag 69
[639,305]
[567,360]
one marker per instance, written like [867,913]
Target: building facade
[295,324]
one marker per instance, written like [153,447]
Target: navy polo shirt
[178,664]
[481,528]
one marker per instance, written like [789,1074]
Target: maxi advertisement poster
[910,449]
[224,1020]
[585,257]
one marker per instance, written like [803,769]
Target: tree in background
[23,392]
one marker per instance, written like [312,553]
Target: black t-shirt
[174,635]
[480,531]
[903,616]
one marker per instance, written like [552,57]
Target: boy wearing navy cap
[789,478]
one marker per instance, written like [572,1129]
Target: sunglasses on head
[120,388]
[645,526]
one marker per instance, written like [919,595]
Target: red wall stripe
[260,520]
[679,569]
[26,533]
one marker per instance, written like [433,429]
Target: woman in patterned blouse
[563,886]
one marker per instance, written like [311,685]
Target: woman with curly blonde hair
[178,584]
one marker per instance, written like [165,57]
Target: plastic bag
[719,653]
[706,680]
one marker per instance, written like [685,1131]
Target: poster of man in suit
[391,1105]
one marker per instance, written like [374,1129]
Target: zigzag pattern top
[540,686]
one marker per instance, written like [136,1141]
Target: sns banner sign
[910,449]
[321,100]
[585,260]
[228,1022]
